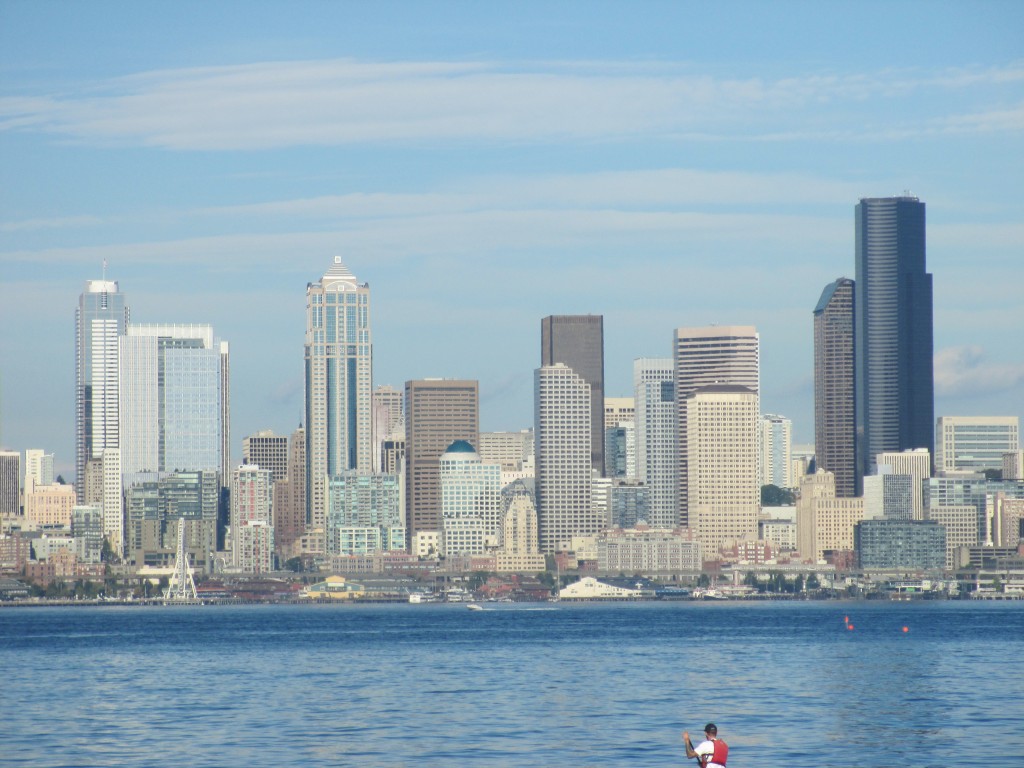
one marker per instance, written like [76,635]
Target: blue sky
[483,165]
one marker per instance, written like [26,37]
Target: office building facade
[657,455]
[100,320]
[722,355]
[776,443]
[437,413]
[835,423]
[974,443]
[267,451]
[900,545]
[364,514]
[722,450]
[10,483]
[564,461]
[894,387]
[171,399]
[577,341]
[339,382]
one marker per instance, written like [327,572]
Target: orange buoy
[906,629]
[849,626]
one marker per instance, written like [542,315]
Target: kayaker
[710,753]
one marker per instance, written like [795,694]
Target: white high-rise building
[974,443]
[172,396]
[339,383]
[38,468]
[721,442]
[776,451]
[657,458]
[725,354]
[888,496]
[252,505]
[113,499]
[916,463]
[562,408]
[100,320]
[471,502]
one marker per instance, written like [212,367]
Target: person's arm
[702,759]
[690,751]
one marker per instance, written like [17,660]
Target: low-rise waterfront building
[589,588]
[900,545]
[648,550]
[334,588]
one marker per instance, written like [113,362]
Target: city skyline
[722,191]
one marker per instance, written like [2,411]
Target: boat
[474,607]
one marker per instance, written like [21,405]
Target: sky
[483,165]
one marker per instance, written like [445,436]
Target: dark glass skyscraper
[834,404]
[895,385]
[578,342]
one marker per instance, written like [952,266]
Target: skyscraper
[562,412]
[471,503]
[776,438]
[171,399]
[895,390]
[721,447]
[437,413]
[10,483]
[252,529]
[388,420]
[267,451]
[657,458]
[38,467]
[975,443]
[339,357]
[578,342]
[726,354]
[100,320]
[835,431]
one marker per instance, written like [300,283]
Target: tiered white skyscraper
[339,383]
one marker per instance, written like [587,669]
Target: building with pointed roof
[339,383]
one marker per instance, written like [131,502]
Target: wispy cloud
[63,222]
[967,371]
[339,102]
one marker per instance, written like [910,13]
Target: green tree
[773,496]
[294,565]
[703,580]
[813,582]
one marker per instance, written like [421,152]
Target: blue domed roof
[460,446]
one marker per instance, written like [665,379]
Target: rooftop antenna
[104,270]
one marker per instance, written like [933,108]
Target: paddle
[701,761]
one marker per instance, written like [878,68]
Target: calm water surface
[519,685]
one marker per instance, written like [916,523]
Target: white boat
[474,607]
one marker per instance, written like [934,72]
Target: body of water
[518,685]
